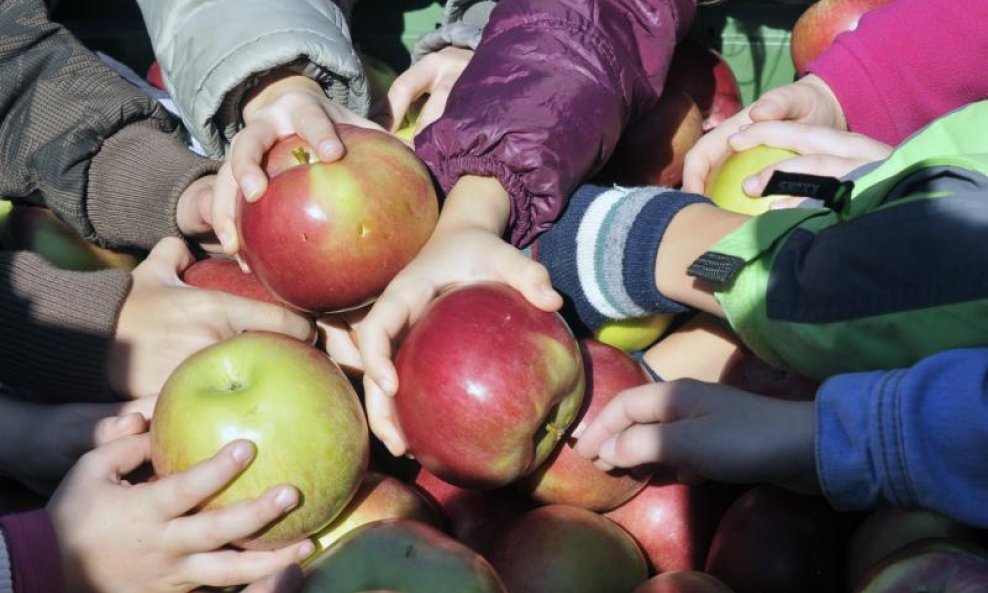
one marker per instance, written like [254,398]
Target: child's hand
[465,247]
[163,321]
[193,213]
[825,151]
[287,105]
[337,333]
[808,100]
[117,537]
[707,429]
[433,75]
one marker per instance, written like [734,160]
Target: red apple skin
[683,581]
[473,517]
[774,541]
[224,274]
[707,78]
[935,565]
[674,523]
[652,150]
[288,398]
[561,548]
[287,154]
[327,237]
[886,531]
[821,23]
[400,555]
[380,497]
[488,385]
[567,478]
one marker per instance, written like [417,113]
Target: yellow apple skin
[410,124]
[631,335]
[724,184]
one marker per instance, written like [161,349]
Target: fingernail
[121,422]
[306,550]
[252,188]
[286,498]
[387,385]
[330,149]
[607,449]
[242,452]
[579,430]
[750,186]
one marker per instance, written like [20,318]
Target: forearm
[479,202]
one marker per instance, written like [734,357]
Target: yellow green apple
[724,184]
[634,334]
[292,402]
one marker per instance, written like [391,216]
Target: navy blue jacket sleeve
[915,437]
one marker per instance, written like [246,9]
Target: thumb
[118,458]
[528,277]
[769,108]
[170,255]
[116,427]
[249,315]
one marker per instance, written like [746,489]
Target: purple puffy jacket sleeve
[547,95]
[916,437]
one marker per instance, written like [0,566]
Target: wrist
[476,202]
[273,85]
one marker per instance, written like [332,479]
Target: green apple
[408,128]
[292,401]
[724,184]
[634,334]
[380,497]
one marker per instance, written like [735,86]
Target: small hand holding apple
[434,75]
[707,429]
[163,321]
[824,150]
[193,213]
[120,537]
[466,246]
[284,104]
[808,100]
[58,434]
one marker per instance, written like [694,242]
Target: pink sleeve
[33,555]
[908,63]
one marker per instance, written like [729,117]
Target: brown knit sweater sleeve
[57,327]
[76,137]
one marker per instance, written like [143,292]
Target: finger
[828,166]
[231,567]
[709,152]
[250,315]
[246,154]
[142,405]
[117,458]
[116,427]
[286,581]
[395,310]
[528,277]
[774,105]
[209,530]
[433,108]
[167,260]
[382,418]
[226,196]
[336,336]
[407,88]
[179,493]
[314,125]
[637,445]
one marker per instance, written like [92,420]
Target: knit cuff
[135,181]
[33,554]
[601,253]
[57,327]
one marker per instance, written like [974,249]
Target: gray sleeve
[211,52]
[463,24]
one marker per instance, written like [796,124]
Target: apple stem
[301,155]
[554,431]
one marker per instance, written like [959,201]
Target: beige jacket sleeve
[211,52]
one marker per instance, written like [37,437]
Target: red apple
[380,497]
[38,229]
[888,530]
[488,385]
[330,236]
[560,548]
[224,274]
[930,566]
[821,23]
[473,517]
[774,541]
[673,523]
[651,151]
[154,76]
[707,78]
[683,581]
[567,478]
[292,401]
[400,555]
